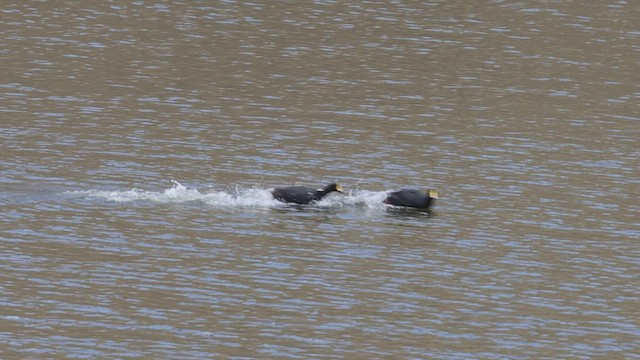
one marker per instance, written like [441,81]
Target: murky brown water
[524,115]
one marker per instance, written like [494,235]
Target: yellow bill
[433,194]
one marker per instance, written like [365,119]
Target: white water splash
[239,197]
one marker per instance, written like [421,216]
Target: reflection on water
[523,115]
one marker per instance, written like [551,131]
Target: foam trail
[357,198]
[239,197]
[179,193]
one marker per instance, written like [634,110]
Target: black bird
[412,198]
[303,194]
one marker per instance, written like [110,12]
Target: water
[140,141]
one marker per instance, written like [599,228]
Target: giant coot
[303,194]
[412,198]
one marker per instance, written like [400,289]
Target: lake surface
[140,141]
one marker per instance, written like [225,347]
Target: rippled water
[140,142]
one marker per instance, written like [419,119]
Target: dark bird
[412,198]
[303,194]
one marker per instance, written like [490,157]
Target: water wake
[239,197]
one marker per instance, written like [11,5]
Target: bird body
[412,198]
[302,194]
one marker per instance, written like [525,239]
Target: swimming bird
[303,194]
[412,198]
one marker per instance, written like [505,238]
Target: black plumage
[412,198]
[302,194]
